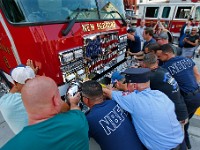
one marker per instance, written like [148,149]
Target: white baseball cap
[22,73]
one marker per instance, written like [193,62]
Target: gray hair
[150,59]
[195,27]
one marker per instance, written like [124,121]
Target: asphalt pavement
[194,129]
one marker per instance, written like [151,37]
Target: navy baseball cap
[116,76]
[137,75]
[131,30]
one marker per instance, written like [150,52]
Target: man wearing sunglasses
[190,43]
[118,81]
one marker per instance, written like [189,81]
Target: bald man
[49,128]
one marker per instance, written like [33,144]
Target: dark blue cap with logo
[137,75]
[116,76]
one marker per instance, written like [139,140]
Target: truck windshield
[41,11]
[108,6]
[130,13]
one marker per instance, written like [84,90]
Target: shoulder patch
[125,93]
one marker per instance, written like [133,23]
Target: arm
[191,43]
[65,107]
[123,101]
[14,89]
[136,54]
[161,25]
[30,64]
[107,93]
[196,73]
[154,28]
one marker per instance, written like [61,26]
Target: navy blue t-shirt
[161,79]
[112,128]
[181,68]
[135,46]
[148,42]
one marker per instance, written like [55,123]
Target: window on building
[197,13]
[152,12]
[183,12]
[166,12]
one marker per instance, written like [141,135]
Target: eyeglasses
[114,84]
[194,30]
[124,82]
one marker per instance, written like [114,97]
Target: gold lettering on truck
[106,25]
[5,48]
[178,26]
[86,27]
[99,26]
[6,62]
[92,27]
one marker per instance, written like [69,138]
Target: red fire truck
[130,4]
[130,8]
[172,15]
[66,39]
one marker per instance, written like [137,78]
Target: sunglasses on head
[124,82]
[114,84]
[158,39]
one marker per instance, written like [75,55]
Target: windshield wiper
[72,22]
[123,20]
